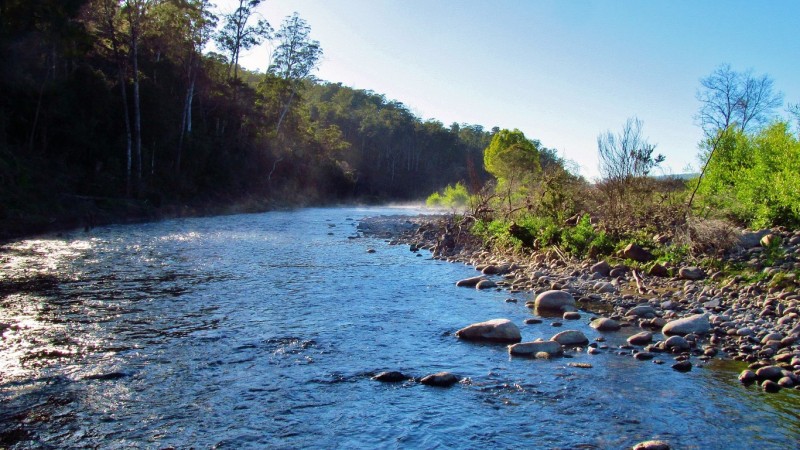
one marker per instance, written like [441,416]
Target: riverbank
[725,317]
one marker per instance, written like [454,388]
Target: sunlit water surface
[263,330]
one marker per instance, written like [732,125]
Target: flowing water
[263,330]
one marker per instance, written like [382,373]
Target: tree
[626,155]
[732,101]
[236,35]
[626,159]
[511,156]
[738,99]
[295,57]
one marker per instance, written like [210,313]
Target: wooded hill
[112,107]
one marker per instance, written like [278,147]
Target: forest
[115,111]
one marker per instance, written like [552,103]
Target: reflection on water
[264,330]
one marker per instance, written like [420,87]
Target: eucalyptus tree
[295,57]
[185,27]
[236,35]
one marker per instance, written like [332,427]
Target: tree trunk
[137,116]
[286,109]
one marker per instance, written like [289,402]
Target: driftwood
[639,282]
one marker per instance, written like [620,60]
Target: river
[263,331]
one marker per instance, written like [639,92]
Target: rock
[470,282]
[676,343]
[497,330]
[570,338]
[773,373]
[571,315]
[494,270]
[390,377]
[751,239]
[786,382]
[554,300]
[747,376]
[691,273]
[602,267]
[441,379]
[604,287]
[605,324]
[370,250]
[533,321]
[618,272]
[698,324]
[657,270]
[644,311]
[637,253]
[580,365]
[532,348]
[682,366]
[651,445]
[485,284]
[770,240]
[641,338]
[770,386]
[644,356]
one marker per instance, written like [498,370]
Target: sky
[562,72]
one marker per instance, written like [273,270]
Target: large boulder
[602,267]
[555,301]
[534,348]
[691,273]
[570,338]
[637,253]
[497,330]
[697,323]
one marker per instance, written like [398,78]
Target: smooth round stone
[682,366]
[644,356]
[554,300]
[390,377]
[496,330]
[570,338]
[571,315]
[652,445]
[642,338]
[605,324]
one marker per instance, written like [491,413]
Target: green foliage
[511,156]
[453,196]
[576,240]
[754,178]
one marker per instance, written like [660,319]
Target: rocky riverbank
[683,311]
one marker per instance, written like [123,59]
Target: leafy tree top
[511,156]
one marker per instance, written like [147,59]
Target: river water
[263,330]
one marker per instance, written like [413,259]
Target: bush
[753,178]
[451,197]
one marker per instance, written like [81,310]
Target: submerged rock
[470,282]
[390,377]
[496,330]
[552,348]
[441,379]
[652,445]
[642,338]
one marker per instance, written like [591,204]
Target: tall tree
[135,12]
[295,57]
[236,35]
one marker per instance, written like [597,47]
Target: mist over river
[264,330]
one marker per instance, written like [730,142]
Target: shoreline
[748,322]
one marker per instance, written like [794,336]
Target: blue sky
[560,71]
